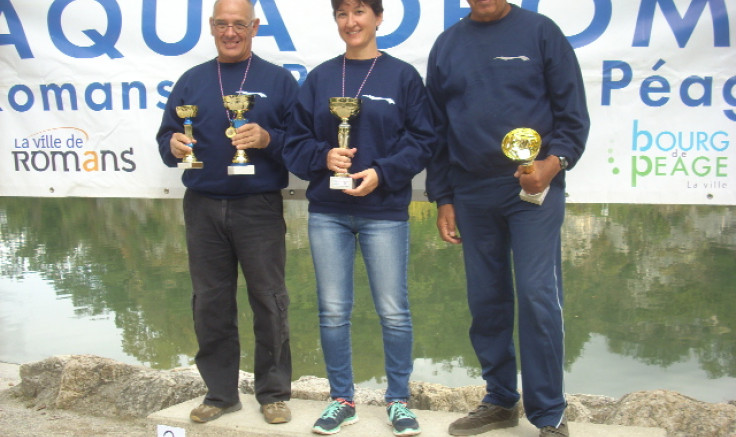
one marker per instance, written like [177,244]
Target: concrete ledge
[373,422]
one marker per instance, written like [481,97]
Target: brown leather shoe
[205,413]
[276,412]
[485,418]
[551,431]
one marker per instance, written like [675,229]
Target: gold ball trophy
[240,104]
[343,108]
[522,145]
[187,112]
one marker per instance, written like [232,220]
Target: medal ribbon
[364,80]
[240,90]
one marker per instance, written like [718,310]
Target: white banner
[84,82]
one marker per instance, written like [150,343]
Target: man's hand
[179,145]
[541,175]
[446,224]
[251,136]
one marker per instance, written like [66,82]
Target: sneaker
[402,419]
[205,413]
[339,412]
[485,418]
[551,431]
[276,412]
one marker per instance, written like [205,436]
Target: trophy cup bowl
[187,112]
[239,103]
[522,145]
[343,108]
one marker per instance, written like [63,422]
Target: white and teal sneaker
[339,412]
[403,421]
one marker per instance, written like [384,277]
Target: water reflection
[649,294]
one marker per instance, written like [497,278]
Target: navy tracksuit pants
[512,245]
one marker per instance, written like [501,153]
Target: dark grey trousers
[221,235]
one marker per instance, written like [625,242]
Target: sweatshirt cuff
[444,201]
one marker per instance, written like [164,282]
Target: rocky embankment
[102,387]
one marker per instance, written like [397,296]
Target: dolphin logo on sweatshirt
[511,58]
[253,93]
[386,99]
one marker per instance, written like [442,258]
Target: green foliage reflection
[656,281]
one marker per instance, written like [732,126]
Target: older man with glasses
[235,219]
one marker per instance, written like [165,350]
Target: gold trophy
[522,145]
[187,112]
[343,108]
[239,103]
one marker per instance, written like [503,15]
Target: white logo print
[390,101]
[248,93]
[511,58]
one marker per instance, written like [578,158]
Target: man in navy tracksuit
[502,68]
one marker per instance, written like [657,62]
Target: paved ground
[372,422]
[18,421]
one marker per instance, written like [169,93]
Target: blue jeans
[384,245]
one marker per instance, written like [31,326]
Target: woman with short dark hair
[383,101]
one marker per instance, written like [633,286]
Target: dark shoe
[551,431]
[205,413]
[485,418]
[339,412]
[403,421]
[276,412]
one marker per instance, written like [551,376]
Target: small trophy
[522,145]
[239,103]
[187,112]
[343,108]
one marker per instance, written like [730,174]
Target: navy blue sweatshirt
[485,79]
[275,89]
[393,134]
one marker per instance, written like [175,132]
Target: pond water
[650,294]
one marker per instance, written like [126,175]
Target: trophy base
[536,199]
[342,183]
[236,170]
[190,165]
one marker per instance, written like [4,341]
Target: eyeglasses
[239,28]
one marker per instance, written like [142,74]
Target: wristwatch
[563,162]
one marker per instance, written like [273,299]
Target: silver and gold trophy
[522,146]
[187,112]
[343,108]
[240,104]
